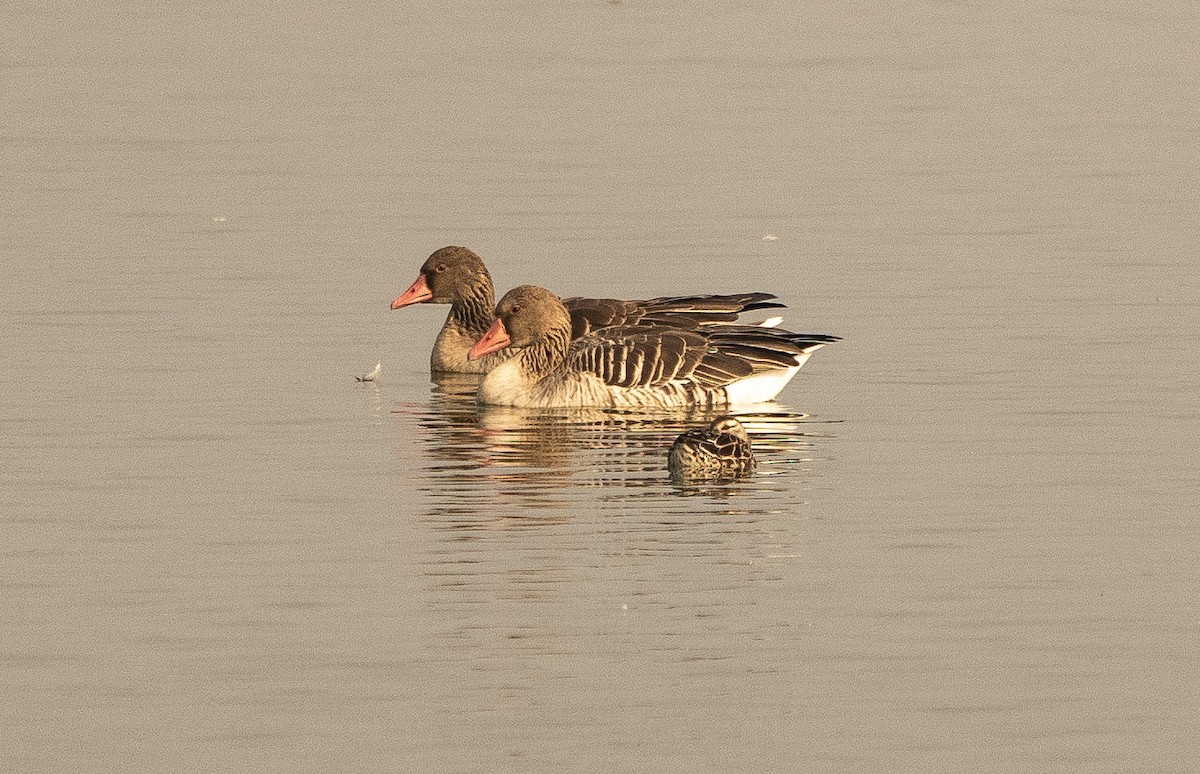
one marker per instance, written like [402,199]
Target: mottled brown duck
[719,451]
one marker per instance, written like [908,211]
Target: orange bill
[418,292]
[494,340]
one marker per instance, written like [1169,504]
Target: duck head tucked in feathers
[719,451]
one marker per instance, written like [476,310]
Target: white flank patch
[763,387]
[760,388]
[771,322]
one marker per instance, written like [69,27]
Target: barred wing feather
[649,356]
[637,356]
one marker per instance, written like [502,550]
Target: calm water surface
[970,545]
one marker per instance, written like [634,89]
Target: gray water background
[972,542]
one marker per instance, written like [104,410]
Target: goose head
[527,314]
[449,275]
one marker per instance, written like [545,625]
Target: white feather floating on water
[373,376]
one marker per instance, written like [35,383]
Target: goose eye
[441,267]
[516,308]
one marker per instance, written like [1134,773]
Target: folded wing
[686,312]
[711,357]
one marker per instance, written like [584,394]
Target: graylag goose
[719,451]
[631,366]
[457,276]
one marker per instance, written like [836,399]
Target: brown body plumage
[457,276]
[631,366]
[719,451]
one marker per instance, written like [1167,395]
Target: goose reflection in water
[507,467]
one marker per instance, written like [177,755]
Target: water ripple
[497,467]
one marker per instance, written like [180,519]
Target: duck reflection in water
[502,466]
